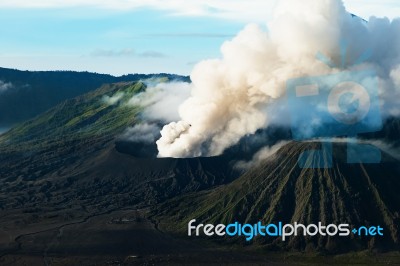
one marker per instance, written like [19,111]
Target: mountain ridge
[29,93]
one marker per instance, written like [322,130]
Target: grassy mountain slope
[81,124]
[63,166]
[31,93]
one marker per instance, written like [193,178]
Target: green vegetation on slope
[33,92]
[87,116]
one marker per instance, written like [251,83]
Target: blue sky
[131,36]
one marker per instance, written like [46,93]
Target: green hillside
[73,131]
[31,93]
[87,116]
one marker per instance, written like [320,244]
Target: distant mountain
[277,190]
[25,94]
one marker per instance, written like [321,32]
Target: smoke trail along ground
[230,95]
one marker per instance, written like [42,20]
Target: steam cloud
[113,100]
[4,86]
[161,100]
[233,96]
[260,156]
[144,133]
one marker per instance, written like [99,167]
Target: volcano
[73,192]
[278,190]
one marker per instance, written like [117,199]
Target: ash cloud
[238,94]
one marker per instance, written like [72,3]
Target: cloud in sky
[127,52]
[152,54]
[255,10]
[113,53]
[378,8]
[189,35]
[238,10]
[168,35]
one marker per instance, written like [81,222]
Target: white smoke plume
[160,103]
[230,95]
[161,100]
[144,133]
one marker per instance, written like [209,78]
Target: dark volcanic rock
[278,190]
